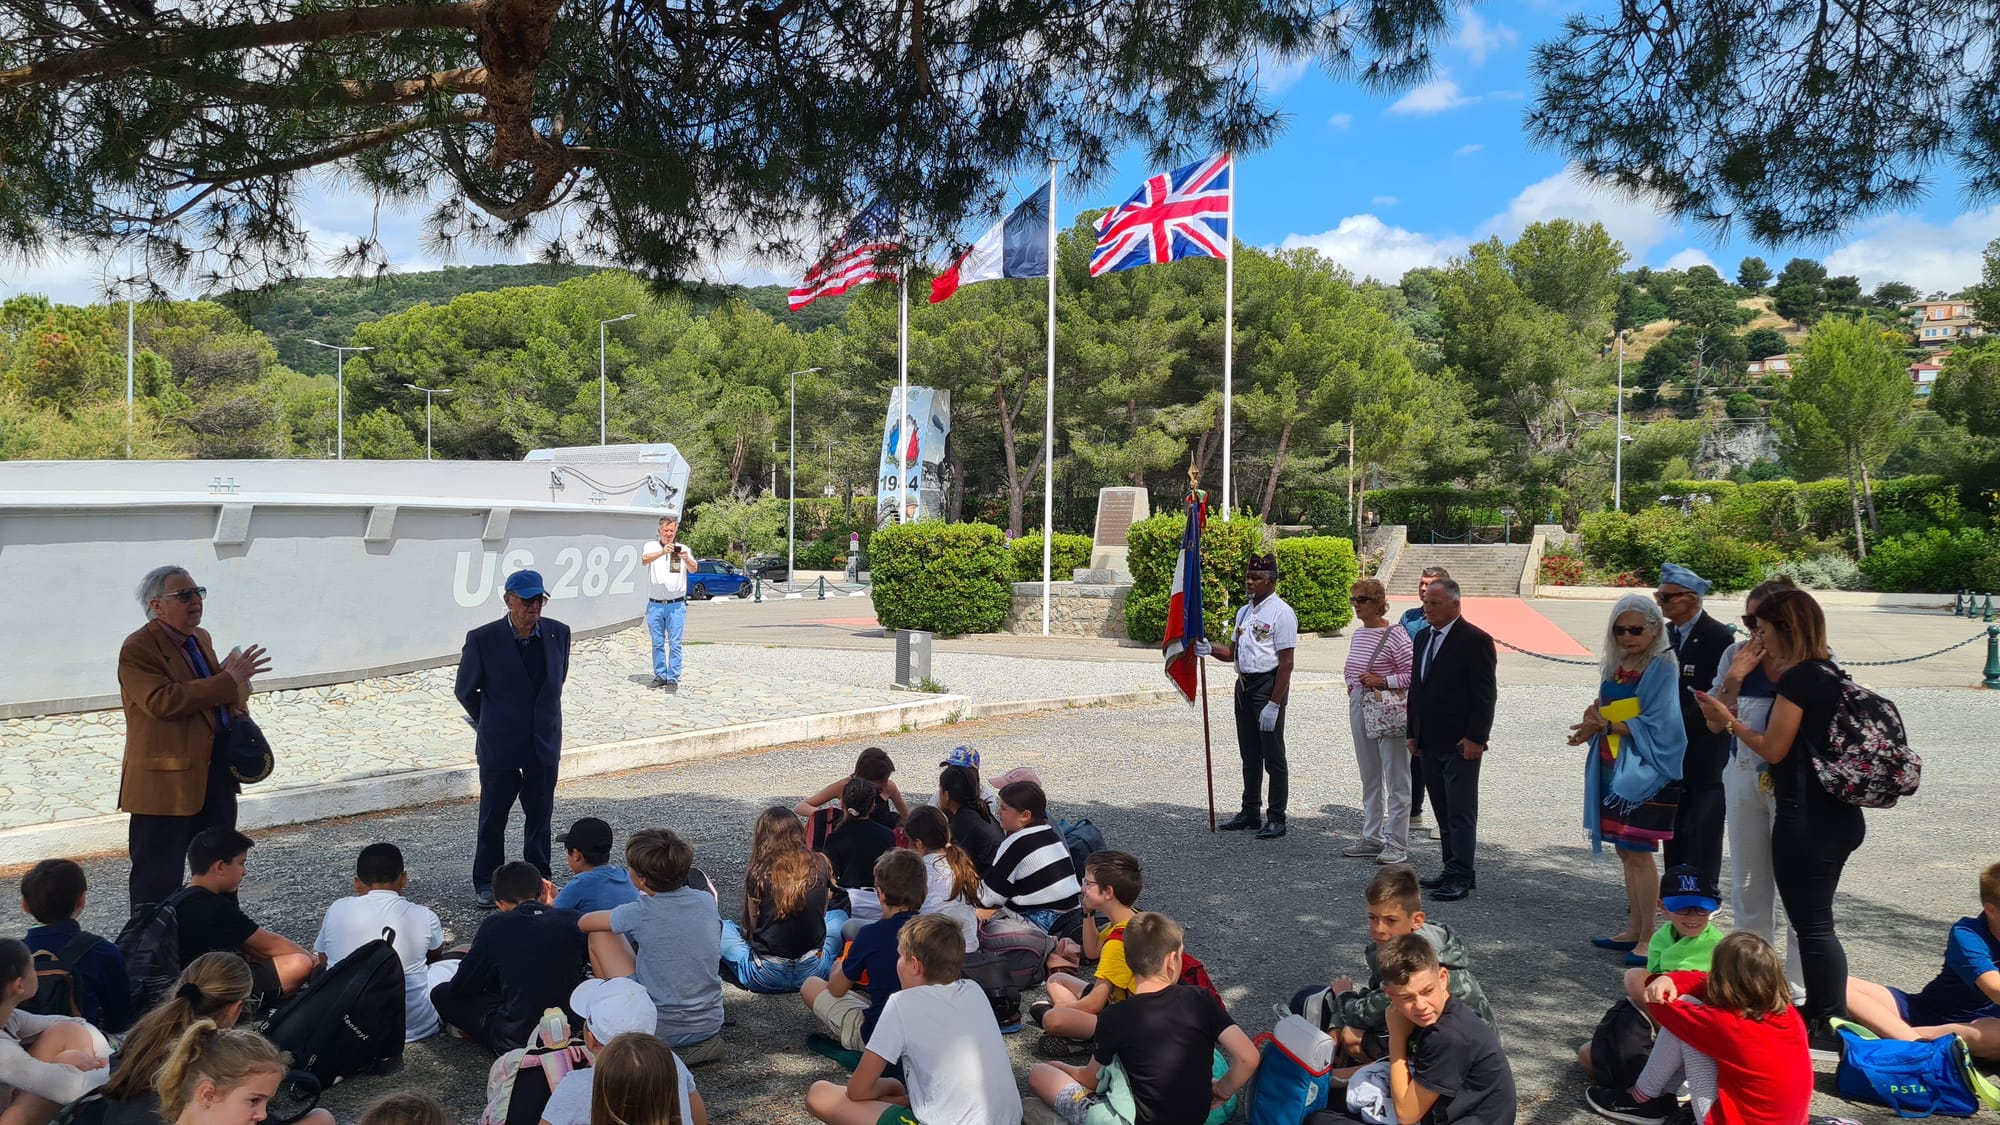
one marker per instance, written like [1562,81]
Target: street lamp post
[600,371]
[792,477]
[1618,446]
[340,393]
[427,393]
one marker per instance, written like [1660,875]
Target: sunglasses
[1750,622]
[191,594]
[1629,630]
[1360,600]
[1664,597]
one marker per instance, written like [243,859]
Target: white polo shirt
[663,582]
[355,921]
[1261,631]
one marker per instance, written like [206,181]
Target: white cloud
[1371,248]
[1636,223]
[1467,150]
[1927,255]
[1275,76]
[1385,201]
[1341,120]
[1479,38]
[1689,257]
[1436,96]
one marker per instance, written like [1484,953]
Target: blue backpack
[1082,839]
[1294,1076]
[1914,1079]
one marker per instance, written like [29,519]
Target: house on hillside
[1776,366]
[1924,372]
[1938,322]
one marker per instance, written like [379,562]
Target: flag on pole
[1018,246]
[853,257]
[1184,213]
[1184,621]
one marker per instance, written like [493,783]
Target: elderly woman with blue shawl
[1632,773]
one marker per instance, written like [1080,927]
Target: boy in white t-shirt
[941,1028]
[378,904]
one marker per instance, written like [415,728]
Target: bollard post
[1993,657]
[757,590]
[822,587]
[1957,600]
[1989,608]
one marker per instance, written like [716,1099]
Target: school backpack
[350,1019]
[1082,839]
[1294,1076]
[151,943]
[1116,1104]
[1620,1045]
[1868,761]
[1003,974]
[1195,976]
[56,985]
[1914,1079]
[520,1082]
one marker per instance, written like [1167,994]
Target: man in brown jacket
[177,697]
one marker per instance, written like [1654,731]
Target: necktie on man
[202,669]
[1431,654]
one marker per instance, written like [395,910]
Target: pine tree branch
[361,142]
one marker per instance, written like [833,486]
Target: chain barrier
[1545,656]
[1980,635]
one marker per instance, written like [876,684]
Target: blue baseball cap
[1682,888]
[526,584]
[962,756]
[1674,574]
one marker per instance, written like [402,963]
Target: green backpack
[1117,1106]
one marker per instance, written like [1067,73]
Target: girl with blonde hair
[215,1076]
[638,1081]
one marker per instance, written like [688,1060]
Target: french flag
[1017,247]
[1184,622]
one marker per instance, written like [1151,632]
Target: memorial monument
[1092,602]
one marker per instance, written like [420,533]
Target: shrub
[1745,407]
[1829,571]
[1067,553]
[941,577]
[1620,544]
[1561,566]
[731,528]
[1608,540]
[1935,561]
[1155,543]
[1316,574]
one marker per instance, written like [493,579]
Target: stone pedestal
[1076,609]
[1118,508]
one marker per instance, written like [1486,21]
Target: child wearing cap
[608,1009]
[599,883]
[1963,999]
[1686,943]
[967,759]
[378,904]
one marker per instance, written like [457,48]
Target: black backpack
[56,987]
[1620,1045]
[350,1019]
[151,943]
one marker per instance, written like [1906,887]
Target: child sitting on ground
[405,1107]
[951,883]
[849,1015]
[1962,1000]
[54,892]
[1445,1063]
[1732,1035]
[1032,872]
[638,1081]
[45,1061]
[599,884]
[1357,1016]
[378,905]
[609,1009]
[210,920]
[1111,886]
[671,940]
[973,825]
[524,960]
[1686,943]
[873,767]
[967,759]
[1164,1037]
[218,1077]
[941,1030]
[854,845]
[787,933]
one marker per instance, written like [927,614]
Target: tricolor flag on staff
[1184,620]
[854,257]
[1017,247]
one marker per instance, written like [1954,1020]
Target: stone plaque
[1117,510]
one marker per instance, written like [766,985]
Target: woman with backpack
[787,933]
[1813,831]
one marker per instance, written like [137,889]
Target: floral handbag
[1385,712]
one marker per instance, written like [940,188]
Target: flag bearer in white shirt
[1261,644]
[668,564]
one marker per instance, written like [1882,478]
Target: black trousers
[1453,783]
[1807,857]
[535,788]
[1698,825]
[471,1013]
[158,845]
[1263,751]
[1416,785]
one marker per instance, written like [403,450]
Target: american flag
[851,260]
[1181,214]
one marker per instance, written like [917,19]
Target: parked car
[713,578]
[771,568]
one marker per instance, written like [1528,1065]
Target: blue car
[715,578]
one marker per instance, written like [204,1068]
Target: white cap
[613,1007]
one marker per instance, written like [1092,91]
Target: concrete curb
[1010,707]
[1863,598]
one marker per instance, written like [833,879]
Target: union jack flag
[1182,214]
[852,259]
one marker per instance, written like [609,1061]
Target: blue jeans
[665,623]
[1044,918]
[779,975]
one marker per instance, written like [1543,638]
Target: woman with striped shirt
[1032,871]
[1378,660]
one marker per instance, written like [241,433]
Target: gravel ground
[1266,917]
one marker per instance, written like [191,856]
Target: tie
[201,669]
[1674,634]
[1431,654]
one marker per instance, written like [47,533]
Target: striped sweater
[1031,870]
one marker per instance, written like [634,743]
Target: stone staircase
[1483,571]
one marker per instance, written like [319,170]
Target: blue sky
[1380,184]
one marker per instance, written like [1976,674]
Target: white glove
[1267,719]
[1203,648]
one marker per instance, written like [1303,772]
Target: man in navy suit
[510,680]
[1453,691]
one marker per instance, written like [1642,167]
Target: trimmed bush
[1935,562]
[1068,552]
[1820,572]
[1155,543]
[1316,574]
[946,578]
[1620,543]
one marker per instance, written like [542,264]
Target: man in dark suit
[510,680]
[1699,640]
[1453,691]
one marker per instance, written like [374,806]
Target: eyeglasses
[1663,597]
[1691,911]
[191,594]
[1629,630]
[1360,600]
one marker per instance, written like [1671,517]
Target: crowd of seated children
[523,960]
[974,827]
[951,882]
[45,1061]
[1357,1016]
[787,933]
[873,767]
[595,882]
[609,1010]
[849,1002]
[1164,1038]
[211,921]
[940,1029]
[217,1076]
[378,905]
[1446,1066]
[1111,886]
[670,940]
[1962,1000]
[53,892]
[1032,872]
[1685,943]
[640,1082]
[853,846]
[1731,1035]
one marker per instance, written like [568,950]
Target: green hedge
[1639,543]
[1796,517]
[1068,553]
[1155,543]
[946,578]
[1935,562]
[1315,577]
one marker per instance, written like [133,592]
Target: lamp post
[427,393]
[792,476]
[1618,446]
[340,393]
[600,372]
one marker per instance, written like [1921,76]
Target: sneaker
[483,899]
[1362,850]
[1062,1047]
[1387,858]
[1037,1010]
[1822,1042]
[1620,1105]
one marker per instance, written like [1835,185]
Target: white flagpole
[903,385]
[1049,417]
[1228,335]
